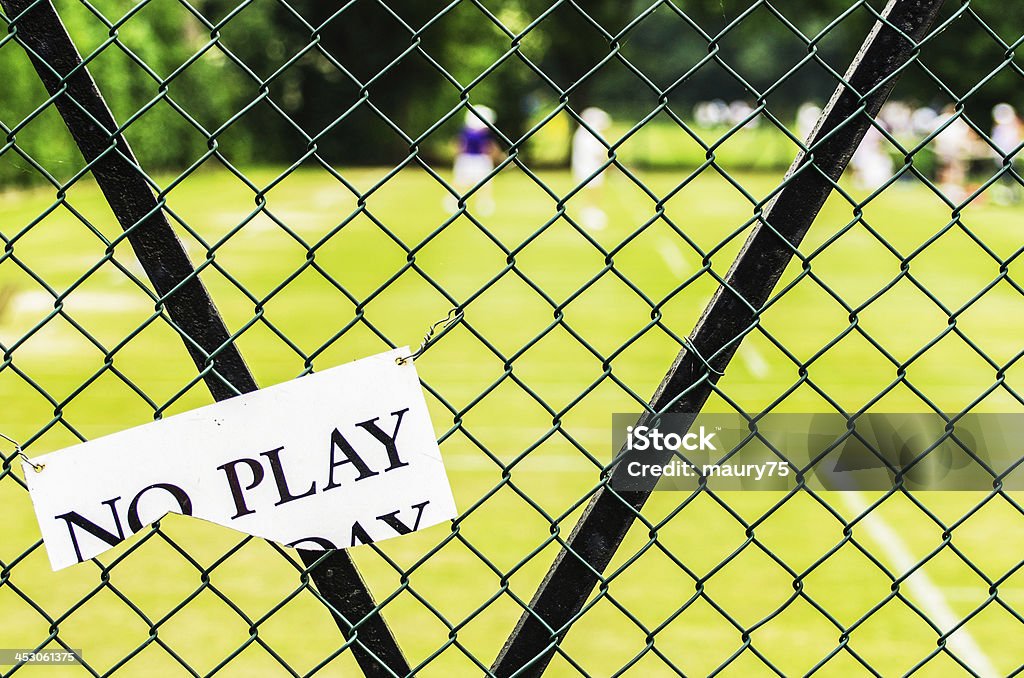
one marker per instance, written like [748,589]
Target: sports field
[535,286]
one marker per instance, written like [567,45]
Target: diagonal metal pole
[38,28]
[729,316]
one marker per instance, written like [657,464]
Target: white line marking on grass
[40,301]
[923,590]
[673,258]
[754,361]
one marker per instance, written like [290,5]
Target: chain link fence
[200,197]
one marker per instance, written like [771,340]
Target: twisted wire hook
[24,457]
[454,316]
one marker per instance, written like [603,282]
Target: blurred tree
[273,78]
[577,38]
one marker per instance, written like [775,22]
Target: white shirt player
[589,153]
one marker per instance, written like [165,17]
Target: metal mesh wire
[302,154]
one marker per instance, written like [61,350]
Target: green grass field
[473,611]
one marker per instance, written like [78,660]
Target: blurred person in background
[806,118]
[871,163]
[954,146]
[739,112]
[897,118]
[1006,135]
[922,121]
[711,113]
[474,159]
[589,156]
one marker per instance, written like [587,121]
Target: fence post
[38,28]
[732,312]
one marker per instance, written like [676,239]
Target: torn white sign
[331,460]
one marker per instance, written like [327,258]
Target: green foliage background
[365,83]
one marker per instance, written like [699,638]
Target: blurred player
[871,163]
[953,146]
[474,159]
[1007,134]
[589,155]
[806,118]
[897,117]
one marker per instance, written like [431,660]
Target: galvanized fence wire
[539,636]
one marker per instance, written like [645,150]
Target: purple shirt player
[475,141]
[474,160]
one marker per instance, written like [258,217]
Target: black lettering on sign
[360,535]
[338,442]
[230,470]
[388,441]
[73,519]
[349,455]
[184,503]
[317,544]
[279,479]
[392,521]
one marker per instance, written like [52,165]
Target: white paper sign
[331,460]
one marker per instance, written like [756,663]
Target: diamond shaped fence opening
[753,208]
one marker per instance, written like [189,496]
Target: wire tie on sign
[24,457]
[435,332]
